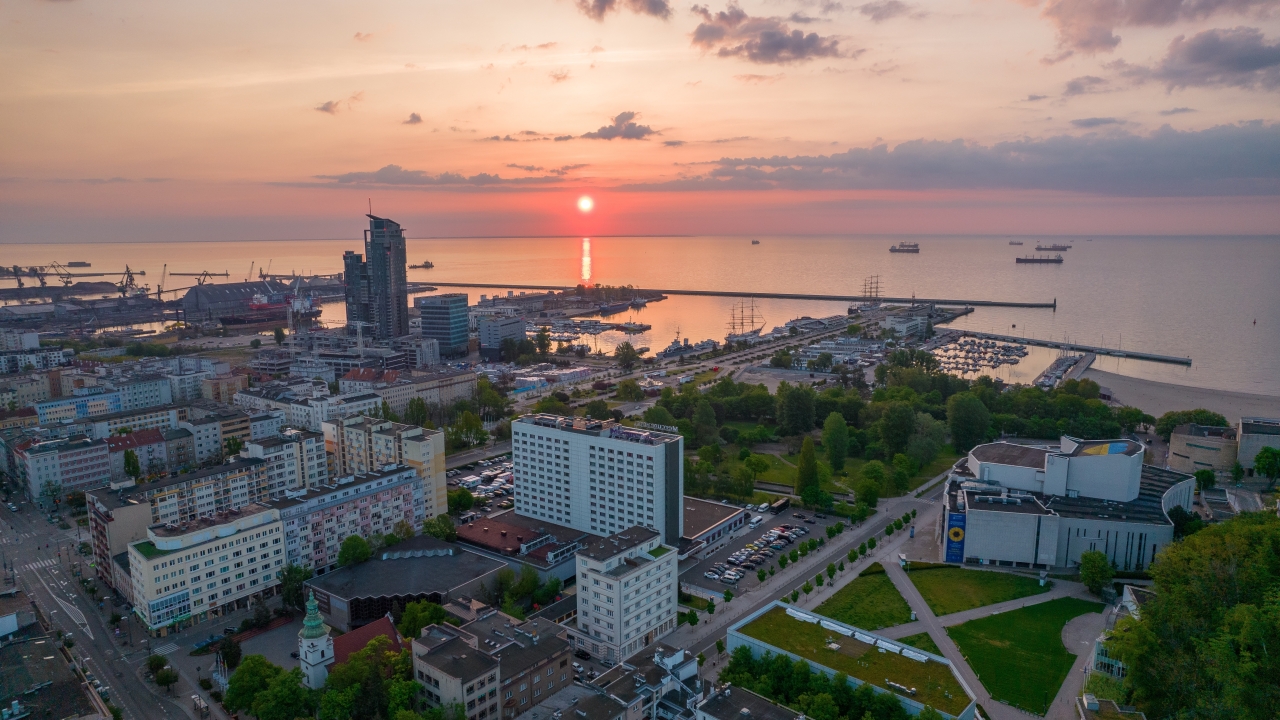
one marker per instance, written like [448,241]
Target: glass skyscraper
[376,285]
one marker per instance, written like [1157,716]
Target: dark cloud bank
[1240,57]
[766,40]
[1239,159]
[1089,25]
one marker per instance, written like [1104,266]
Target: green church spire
[313,625]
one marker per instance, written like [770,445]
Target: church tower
[315,647]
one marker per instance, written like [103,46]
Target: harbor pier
[776,296]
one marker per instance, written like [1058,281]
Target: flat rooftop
[736,703]
[1148,507]
[406,575]
[934,681]
[599,428]
[202,522]
[456,658]
[604,548]
[1002,453]
[703,515]
[32,660]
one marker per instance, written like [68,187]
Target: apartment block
[186,573]
[234,421]
[295,461]
[69,464]
[148,446]
[598,476]
[627,594]
[25,391]
[222,388]
[317,521]
[84,403]
[361,444]
[206,436]
[114,523]
[439,388]
[266,424]
[202,493]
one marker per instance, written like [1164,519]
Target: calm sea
[1214,299]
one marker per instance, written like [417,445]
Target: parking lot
[692,573]
[488,481]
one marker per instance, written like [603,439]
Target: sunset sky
[151,120]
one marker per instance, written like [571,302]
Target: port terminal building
[1041,506]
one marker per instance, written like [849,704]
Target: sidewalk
[713,627]
[929,623]
[1060,589]
[1077,637]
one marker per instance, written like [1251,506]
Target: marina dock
[1075,347]
[778,296]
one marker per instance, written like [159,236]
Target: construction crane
[17,275]
[246,277]
[128,282]
[264,275]
[160,285]
[203,276]
[64,274]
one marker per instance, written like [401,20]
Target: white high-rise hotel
[598,476]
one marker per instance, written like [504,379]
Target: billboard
[955,537]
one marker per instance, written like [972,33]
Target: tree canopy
[354,550]
[1205,644]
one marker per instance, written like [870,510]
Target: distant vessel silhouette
[905,247]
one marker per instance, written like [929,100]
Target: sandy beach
[1158,398]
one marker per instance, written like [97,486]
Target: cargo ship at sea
[905,247]
[1055,260]
[1015,242]
[1052,248]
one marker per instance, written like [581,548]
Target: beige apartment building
[187,573]
[361,444]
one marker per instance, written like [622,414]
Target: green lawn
[934,683]
[869,601]
[922,642]
[695,602]
[1018,655]
[778,472]
[952,589]
[945,459]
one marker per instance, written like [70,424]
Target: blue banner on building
[955,537]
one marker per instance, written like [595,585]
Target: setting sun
[585,203]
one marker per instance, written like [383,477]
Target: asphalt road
[712,627]
[467,457]
[44,560]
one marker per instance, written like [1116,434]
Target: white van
[755,521]
[764,507]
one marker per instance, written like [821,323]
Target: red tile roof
[371,375]
[140,438]
[354,641]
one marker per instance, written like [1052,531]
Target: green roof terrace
[929,682]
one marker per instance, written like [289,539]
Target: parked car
[710,575]
[582,654]
[811,521]
[577,667]
[798,516]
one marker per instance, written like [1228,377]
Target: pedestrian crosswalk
[39,564]
[16,539]
[165,649]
